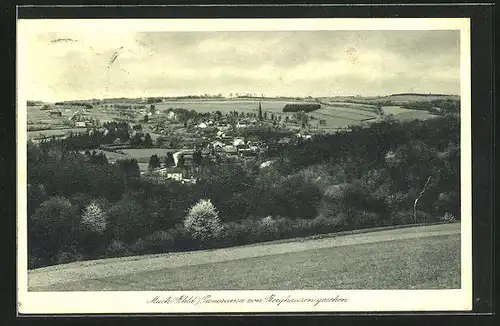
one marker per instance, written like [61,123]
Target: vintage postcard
[243,165]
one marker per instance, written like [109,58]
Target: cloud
[318,63]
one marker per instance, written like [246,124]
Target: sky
[79,65]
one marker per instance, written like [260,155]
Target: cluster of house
[80,118]
[174,173]
[237,146]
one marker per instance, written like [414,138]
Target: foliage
[154,162]
[129,168]
[202,221]
[117,248]
[369,176]
[169,159]
[94,218]
[180,160]
[53,228]
[125,220]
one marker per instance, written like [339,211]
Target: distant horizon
[212,96]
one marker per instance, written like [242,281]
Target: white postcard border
[137,302]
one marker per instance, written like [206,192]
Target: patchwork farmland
[334,113]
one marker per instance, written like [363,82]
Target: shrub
[36,262]
[266,229]
[406,217]
[160,241]
[448,217]
[139,247]
[447,202]
[202,221]
[117,248]
[67,257]
[94,219]
[237,233]
[364,219]
[322,224]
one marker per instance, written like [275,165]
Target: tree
[154,162]
[94,218]
[202,221]
[148,142]
[98,158]
[136,140]
[53,228]
[169,159]
[197,158]
[129,167]
[125,220]
[36,194]
[181,160]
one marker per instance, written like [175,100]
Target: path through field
[416,257]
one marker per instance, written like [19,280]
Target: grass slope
[417,263]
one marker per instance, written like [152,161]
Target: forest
[82,207]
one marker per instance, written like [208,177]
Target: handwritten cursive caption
[270,299]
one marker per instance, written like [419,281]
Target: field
[410,258]
[339,116]
[142,155]
[54,132]
[407,114]
[395,99]
[225,106]
[336,113]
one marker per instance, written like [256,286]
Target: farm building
[217,143]
[187,154]
[297,107]
[304,136]
[55,114]
[171,115]
[230,150]
[238,141]
[189,181]
[177,176]
[170,173]
[82,118]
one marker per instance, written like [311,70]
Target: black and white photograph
[254,165]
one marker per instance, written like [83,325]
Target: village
[216,138]
[176,144]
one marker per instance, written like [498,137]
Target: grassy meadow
[416,263]
[404,114]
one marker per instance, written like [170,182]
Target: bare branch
[416,200]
